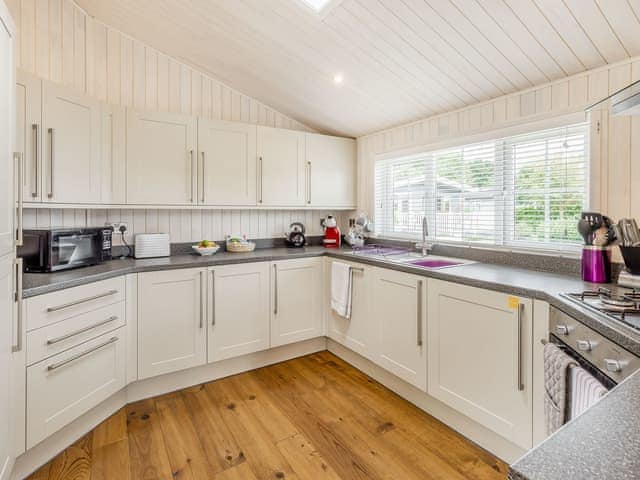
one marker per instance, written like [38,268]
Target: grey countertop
[603,443]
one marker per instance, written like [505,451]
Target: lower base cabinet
[358,333]
[479,345]
[172,334]
[296,293]
[399,306]
[238,306]
[63,387]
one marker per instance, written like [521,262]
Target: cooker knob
[584,345]
[562,329]
[612,365]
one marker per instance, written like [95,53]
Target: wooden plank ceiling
[401,59]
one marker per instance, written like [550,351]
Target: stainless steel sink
[430,262]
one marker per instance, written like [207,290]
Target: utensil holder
[596,264]
[631,256]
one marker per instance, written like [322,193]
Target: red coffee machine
[332,237]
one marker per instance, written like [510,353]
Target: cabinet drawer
[53,307]
[60,336]
[65,386]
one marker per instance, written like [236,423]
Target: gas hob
[617,303]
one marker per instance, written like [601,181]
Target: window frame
[504,239]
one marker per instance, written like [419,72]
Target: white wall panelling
[401,60]
[61,43]
[615,171]
[187,225]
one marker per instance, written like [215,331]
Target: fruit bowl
[204,251]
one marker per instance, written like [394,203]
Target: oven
[606,361]
[55,249]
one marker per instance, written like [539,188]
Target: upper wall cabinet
[29,133]
[161,158]
[72,134]
[71,145]
[281,167]
[77,150]
[331,171]
[227,163]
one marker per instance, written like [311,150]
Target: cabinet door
[359,333]
[296,312]
[71,146]
[161,158]
[65,386]
[331,171]
[480,356]
[227,163]
[399,307]
[281,168]
[7,139]
[171,321]
[29,133]
[238,310]
[7,394]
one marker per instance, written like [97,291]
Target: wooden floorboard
[314,417]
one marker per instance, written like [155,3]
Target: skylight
[321,7]
[317,5]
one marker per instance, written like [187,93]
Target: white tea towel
[556,386]
[341,289]
[585,391]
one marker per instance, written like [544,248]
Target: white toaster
[150,245]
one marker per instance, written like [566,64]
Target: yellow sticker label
[513,302]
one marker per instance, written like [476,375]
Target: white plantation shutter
[524,190]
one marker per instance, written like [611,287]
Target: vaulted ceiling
[401,60]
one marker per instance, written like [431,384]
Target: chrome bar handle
[260,178]
[83,300]
[55,366]
[53,341]
[36,160]
[419,314]
[213,298]
[275,289]
[201,300]
[19,161]
[309,183]
[520,374]
[52,154]
[18,299]
[203,179]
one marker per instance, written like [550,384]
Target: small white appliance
[149,245]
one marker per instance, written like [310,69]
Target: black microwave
[55,249]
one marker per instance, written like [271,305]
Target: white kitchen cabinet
[227,163]
[479,345]
[281,167]
[28,135]
[161,158]
[63,387]
[296,293]
[7,275]
[238,310]
[331,171]
[7,240]
[71,131]
[172,334]
[359,333]
[399,310]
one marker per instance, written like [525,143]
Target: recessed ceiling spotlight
[337,78]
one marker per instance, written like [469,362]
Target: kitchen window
[518,191]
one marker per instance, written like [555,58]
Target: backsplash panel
[186,225]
